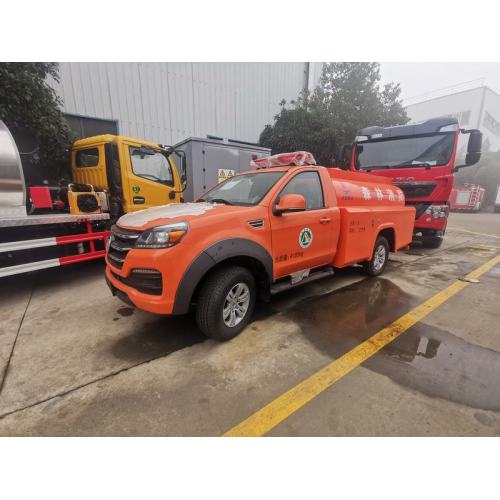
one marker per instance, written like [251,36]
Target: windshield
[244,189]
[405,152]
[151,164]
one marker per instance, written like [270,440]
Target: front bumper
[158,304]
[434,218]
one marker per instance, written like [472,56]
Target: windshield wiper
[374,167]
[415,163]
[220,200]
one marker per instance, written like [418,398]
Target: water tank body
[358,189]
[12,187]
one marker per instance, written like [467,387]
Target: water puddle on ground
[427,359]
[158,336]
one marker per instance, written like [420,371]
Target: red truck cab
[420,159]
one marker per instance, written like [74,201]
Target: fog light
[145,271]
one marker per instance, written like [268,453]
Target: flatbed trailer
[75,235]
[30,242]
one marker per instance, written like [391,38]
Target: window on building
[84,126]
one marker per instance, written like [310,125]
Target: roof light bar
[297,158]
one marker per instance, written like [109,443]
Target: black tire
[212,297]
[371,267]
[432,241]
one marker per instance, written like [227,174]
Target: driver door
[303,240]
[149,179]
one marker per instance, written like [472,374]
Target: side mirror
[290,203]
[474,147]
[345,156]
[183,170]
[183,167]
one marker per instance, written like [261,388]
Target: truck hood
[174,212]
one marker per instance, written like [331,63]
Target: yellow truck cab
[136,174]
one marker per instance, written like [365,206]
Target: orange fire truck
[285,223]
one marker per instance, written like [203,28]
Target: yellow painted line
[474,232]
[288,403]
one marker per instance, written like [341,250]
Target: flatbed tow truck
[47,226]
[25,239]
[283,224]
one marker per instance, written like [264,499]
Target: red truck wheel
[432,241]
[226,302]
[380,256]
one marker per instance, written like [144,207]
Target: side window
[87,157]
[308,184]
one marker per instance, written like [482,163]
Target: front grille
[143,280]
[122,241]
[416,189]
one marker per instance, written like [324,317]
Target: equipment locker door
[219,162]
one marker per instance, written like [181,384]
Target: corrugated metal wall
[167,102]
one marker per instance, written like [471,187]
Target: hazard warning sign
[225,173]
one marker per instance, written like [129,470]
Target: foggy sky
[420,78]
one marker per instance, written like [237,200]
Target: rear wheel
[380,256]
[226,302]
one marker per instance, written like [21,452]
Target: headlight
[162,236]
[437,211]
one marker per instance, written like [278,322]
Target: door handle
[325,220]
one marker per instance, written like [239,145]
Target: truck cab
[421,159]
[256,234]
[136,174]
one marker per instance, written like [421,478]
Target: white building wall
[475,108]
[490,120]
[167,102]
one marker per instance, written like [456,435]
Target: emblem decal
[305,237]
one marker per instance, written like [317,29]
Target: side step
[286,285]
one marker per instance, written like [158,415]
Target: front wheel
[226,302]
[380,256]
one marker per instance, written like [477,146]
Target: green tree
[28,102]
[348,97]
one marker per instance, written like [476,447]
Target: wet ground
[76,361]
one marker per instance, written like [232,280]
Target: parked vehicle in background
[286,223]
[496,205]
[212,160]
[135,173]
[47,236]
[421,160]
[467,198]
[44,226]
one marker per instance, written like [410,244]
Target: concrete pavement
[83,363]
